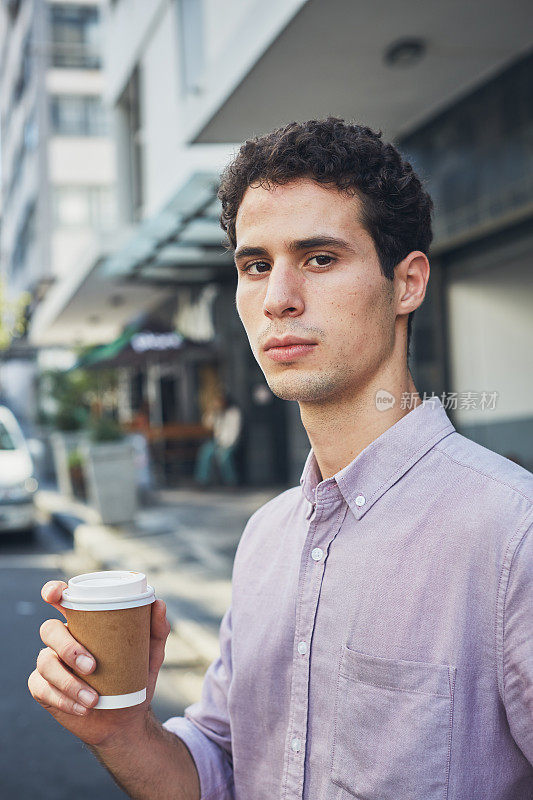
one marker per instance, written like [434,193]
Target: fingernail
[84,663]
[79,709]
[86,696]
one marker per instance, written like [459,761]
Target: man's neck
[340,430]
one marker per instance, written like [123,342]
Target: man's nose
[283,295]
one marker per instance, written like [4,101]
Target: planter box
[111,480]
[62,445]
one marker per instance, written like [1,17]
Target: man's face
[294,283]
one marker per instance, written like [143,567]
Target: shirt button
[317,554]
[296,744]
[360,500]
[302,648]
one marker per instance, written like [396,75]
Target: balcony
[65,55]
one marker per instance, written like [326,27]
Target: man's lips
[285,341]
[288,348]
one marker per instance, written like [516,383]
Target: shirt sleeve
[205,726]
[517,667]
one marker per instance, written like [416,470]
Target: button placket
[310,580]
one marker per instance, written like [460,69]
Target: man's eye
[323,260]
[260,268]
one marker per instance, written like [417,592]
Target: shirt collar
[385,460]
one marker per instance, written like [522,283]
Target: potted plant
[66,392]
[76,468]
[110,471]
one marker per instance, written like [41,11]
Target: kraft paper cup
[109,614]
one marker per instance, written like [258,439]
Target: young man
[379,642]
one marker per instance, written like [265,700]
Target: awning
[182,244]
[98,355]
[131,271]
[139,345]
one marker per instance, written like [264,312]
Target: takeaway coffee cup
[109,614]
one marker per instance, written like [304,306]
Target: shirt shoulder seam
[484,474]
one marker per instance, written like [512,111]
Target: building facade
[187,81]
[57,157]
[477,159]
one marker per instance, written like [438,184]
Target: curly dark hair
[396,210]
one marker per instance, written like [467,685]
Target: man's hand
[57,682]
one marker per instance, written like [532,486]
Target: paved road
[39,758]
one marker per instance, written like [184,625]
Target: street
[39,758]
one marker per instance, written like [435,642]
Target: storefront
[473,333]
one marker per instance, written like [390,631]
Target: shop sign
[144,341]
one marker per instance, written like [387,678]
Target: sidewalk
[185,544]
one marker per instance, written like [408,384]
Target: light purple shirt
[379,643]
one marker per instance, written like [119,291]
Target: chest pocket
[392,728]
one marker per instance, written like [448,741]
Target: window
[16,169]
[477,155]
[190,21]
[27,143]
[24,73]
[71,207]
[25,238]
[78,115]
[13,8]
[75,32]
[31,131]
[6,442]
[130,108]
[84,207]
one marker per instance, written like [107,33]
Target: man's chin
[303,388]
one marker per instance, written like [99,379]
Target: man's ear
[412,276]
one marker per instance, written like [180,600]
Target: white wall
[74,81]
[236,35]
[81,160]
[491,335]
[68,249]
[161,110]
[221,20]
[167,160]
[127,27]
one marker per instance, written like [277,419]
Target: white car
[17,482]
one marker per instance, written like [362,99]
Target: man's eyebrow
[297,245]
[245,251]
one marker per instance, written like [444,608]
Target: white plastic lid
[122,587]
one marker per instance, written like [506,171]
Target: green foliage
[75,459]
[69,419]
[13,315]
[106,429]
[74,393]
